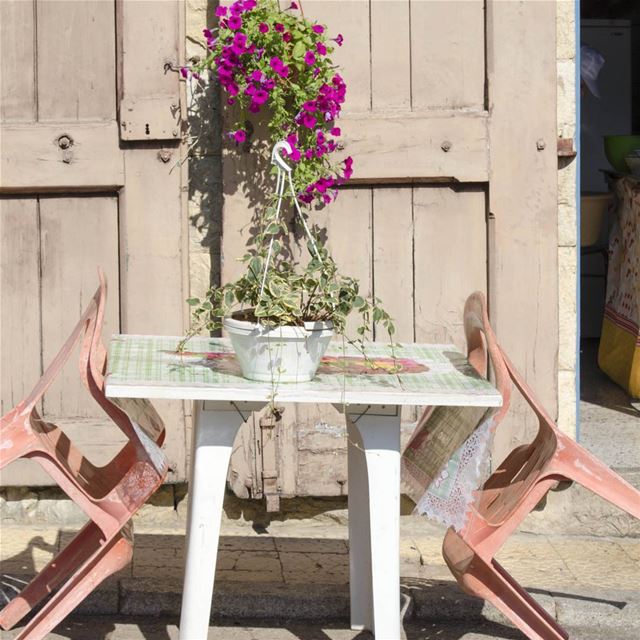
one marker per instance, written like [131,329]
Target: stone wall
[567,218]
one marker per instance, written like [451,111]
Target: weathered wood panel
[17,52]
[523,199]
[20,364]
[447,54]
[149,33]
[351,19]
[450,259]
[87,229]
[151,267]
[76,60]
[393,278]
[416,147]
[390,65]
[37,158]
[348,222]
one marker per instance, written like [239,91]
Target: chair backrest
[129,414]
[483,347]
[82,331]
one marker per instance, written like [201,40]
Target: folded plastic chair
[108,495]
[511,493]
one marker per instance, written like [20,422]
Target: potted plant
[276,65]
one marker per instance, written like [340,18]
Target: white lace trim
[449,496]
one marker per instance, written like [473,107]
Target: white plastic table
[148,367]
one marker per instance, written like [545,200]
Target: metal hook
[277,159]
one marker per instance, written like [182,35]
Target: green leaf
[192,302]
[358,302]
[299,50]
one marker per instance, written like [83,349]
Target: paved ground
[95,629]
[293,572]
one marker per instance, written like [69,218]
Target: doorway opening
[610,231]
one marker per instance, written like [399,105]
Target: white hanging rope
[283,168]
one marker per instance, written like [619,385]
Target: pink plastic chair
[108,495]
[512,492]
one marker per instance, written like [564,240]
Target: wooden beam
[417,147]
[54,157]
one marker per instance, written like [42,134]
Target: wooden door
[90,129]
[451,119]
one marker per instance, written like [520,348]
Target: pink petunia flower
[279,27]
[263,27]
[235,23]
[339,39]
[318,28]
[310,58]
[221,12]
[321,49]
[240,136]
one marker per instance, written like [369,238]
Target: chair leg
[492,583]
[85,544]
[111,558]
[576,463]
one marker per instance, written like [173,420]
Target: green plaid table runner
[427,370]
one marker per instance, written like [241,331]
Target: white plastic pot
[279,354]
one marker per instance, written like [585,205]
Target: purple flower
[232,89]
[279,67]
[308,154]
[269,84]
[279,27]
[231,101]
[263,27]
[254,107]
[308,120]
[249,4]
[207,34]
[293,5]
[236,8]
[286,36]
[221,12]
[335,131]
[256,75]
[239,136]
[348,167]
[276,64]
[310,106]
[235,23]
[240,38]
[239,42]
[339,39]
[260,96]
[310,58]
[321,49]
[318,28]
[184,72]
[251,90]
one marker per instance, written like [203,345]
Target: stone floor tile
[599,563]
[311,545]
[631,548]
[249,576]
[247,543]
[25,550]
[257,561]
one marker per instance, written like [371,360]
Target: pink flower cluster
[312,134]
